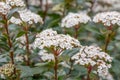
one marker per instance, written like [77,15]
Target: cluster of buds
[7,5]
[93,57]
[7,69]
[73,19]
[49,38]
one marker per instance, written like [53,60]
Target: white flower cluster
[45,56]
[93,56]
[73,19]
[4,8]
[108,77]
[26,16]
[49,38]
[107,18]
[7,69]
[17,3]
[15,20]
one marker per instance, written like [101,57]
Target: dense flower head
[4,8]
[26,16]
[49,38]
[93,56]
[17,3]
[46,56]
[7,69]
[107,18]
[73,19]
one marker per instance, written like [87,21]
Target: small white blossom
[19,58]
[45,56]
[17,3]
[73,19]
[107,18]
[108,77]
[49,38]
[30,17]
[27,16]
[4,8]
[15,20]
[93,56]
[1,25]
[22,42]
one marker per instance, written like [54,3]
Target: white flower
[1,25]
[22,42]
[4,8]
[107,77]
[15,20]
[49,38]
[73,19]
[19,58]
[93,56]
[17,3]
[45,56]
[107,18]
[27,16]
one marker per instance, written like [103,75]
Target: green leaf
[26,71]
[70,52]
[42,64]
[20,33]
[92,29]
[37,70]
[3,58]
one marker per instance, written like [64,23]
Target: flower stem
[56,67]
[71,67]
[9,40]
[108,38]
[27,3]
[56,53]
[76,31]
[107,41]
[89,69]
[75,36]
[27,46]
[11,54]
[45,11]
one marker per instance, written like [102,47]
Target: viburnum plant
[62,43]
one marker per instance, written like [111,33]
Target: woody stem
[27,46]
[9,40]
